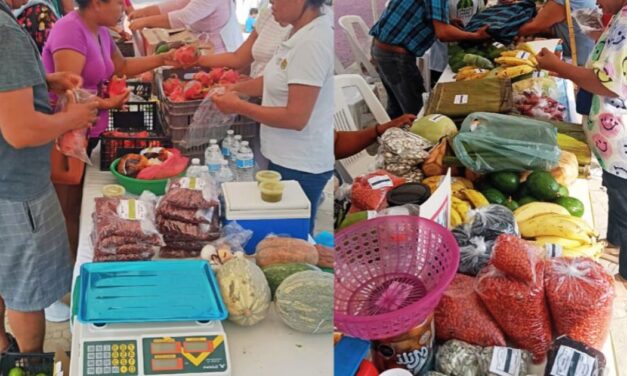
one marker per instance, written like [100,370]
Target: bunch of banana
[471,73]
[517,57]
[580,149]
[433,182]
[515,71]
[474,197]
[535,209]
[461,207]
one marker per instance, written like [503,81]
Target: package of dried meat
[458,358]
[192,193]
[461,315]
[369,191]
[499,361]
[174,230]
[580,294]
[176,253]
[569,357]
[516,257]
[519,308]
[74,143]
[167,210]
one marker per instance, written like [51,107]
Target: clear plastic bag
[369,191]
[491,221]
[589,20]
[192,193]
[458,358]
[493,142]
[461,315]
[516,257]
[401,152]
[519,308]
[498,361]
[580,294]
[542,98]
[73,144]
[474,251]
[208,122]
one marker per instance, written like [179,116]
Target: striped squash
[304,301]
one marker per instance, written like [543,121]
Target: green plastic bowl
[138,186]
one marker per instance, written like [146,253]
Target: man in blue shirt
[251,20]
[405,31]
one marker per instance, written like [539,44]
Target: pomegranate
[171,84]
[117,86]
[193,90]
[204,78]
[186,55]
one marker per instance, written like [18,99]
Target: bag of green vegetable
[458,358]
[489,142]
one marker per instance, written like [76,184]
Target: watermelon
[275,274]
[304,301]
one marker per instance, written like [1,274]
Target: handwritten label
[461,99]
[505,361]
[379,182]
[570,362]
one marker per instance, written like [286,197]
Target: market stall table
[269,348]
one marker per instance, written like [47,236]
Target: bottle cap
[230,132]
[213,141]
[196,161]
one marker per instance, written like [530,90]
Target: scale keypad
[114,358]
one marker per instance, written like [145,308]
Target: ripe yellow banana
[581,223]
[590,250]
[457,186]
[534,209]
[553,225]
[456,218]
[462,207]
[513,61]
[521,55]
[564,242]
[467,183]
[476,199]
[516,71]
[527,48]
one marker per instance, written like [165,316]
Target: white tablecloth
[267,349]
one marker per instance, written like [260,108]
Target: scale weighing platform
[162,318]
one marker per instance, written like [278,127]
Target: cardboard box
[150,38]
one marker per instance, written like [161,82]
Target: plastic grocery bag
[192,193]
[516,257]
[580,294]
[369,191]
[401,152]
[543,98]
[589,20]
[208,122]
[73,144]
[493,142]
[461,315]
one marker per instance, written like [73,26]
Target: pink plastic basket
[390,273]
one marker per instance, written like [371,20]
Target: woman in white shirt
[296,113]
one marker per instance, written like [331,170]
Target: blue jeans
[402,81]
[312,184]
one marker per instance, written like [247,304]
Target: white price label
[132,210]
[553,250]
[192,183]
[461,99]
[506,361]
[379,182]
[570,362]
[435,118]
[523,55]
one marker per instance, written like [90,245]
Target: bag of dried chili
[519,308]
[516,257]
[369,191]
[580,294]
[461,315]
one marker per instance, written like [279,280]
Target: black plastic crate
[136,117]
[142,89]
[31,364]
[126,48]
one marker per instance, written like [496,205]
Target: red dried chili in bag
[580,294]
[516,257]
[519,308]
[461,315]
[369,191]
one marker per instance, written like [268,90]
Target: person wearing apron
[215,19]
[35,266]
[296,113]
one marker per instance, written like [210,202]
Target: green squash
[304,301]
[275,274]
[245,291]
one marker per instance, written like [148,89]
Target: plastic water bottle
[213,158]
[245,163]
[226,143]
[235,146]
[193,171]
[225,174]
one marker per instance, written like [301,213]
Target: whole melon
[434,127]
[304,301]
[276,274]
[245,291]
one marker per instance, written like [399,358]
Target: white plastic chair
[361,163]
[352,25]
[423,63]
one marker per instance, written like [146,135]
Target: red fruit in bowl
[171,84]
[216,74]
[193,90]
[186,55]
[117,86]
[177,95]
[204,78]
[229,77]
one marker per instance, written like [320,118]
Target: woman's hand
[114,102]
[401,121]
[549,61]
[168,59]
[82,115]
[228,103]
[61,82]
[139,13]
[138,24]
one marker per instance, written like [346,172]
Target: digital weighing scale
[149,318]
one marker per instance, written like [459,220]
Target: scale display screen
[197,346]
[163,348]
[194,355]
[167,364]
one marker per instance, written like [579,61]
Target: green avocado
[162,48]
[543,186]
[506,182]
[563,192]
[511,205]
[573,205]
[526,200]
[494,196]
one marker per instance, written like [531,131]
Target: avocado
[511,205]
[494,196]
[162,48]
[506,182]
[563,192]
[526,200]
[573,205]
[353,218]
[543,186]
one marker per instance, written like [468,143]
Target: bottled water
[213,158]
[227,142]
[225,174]
[235,146]
[245,163]
[196,170]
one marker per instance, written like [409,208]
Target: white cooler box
[290,217]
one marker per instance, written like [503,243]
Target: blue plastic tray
[149,291]
[348,354]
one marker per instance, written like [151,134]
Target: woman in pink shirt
[217,19]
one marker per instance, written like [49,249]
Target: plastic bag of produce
[569,357]
[542,98]
[458,358]
[369,191]
[492,221]
[499,361]
[519,308]
[589,20]
[580,294]
[516,257]
[401,151]
[208,122]
[494,142]
[474,251]
[461,315]
[74,143]
[192,193]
